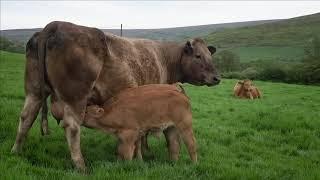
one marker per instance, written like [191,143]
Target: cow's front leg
[71,127]
[28,115]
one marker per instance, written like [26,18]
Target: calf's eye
[198,56]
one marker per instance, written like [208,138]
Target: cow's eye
[198,56]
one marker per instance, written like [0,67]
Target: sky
[147,14]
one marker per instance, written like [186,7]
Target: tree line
[7,45]
[305,71]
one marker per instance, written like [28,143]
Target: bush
[250,73]
[232,75]
[274,73]
[227,61]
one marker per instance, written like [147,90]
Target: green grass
[276,137]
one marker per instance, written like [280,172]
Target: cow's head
[196,62]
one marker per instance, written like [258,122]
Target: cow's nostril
[216,80]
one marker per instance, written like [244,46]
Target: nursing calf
[135,111]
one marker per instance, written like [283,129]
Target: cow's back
[130,63]
[143,57]
[74,57]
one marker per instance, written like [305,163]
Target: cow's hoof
[82,170]
[15,150]
[81,167]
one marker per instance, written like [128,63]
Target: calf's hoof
[45,132]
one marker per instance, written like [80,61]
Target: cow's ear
[212,49]
[240,82]
[188,48]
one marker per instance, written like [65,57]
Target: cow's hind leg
[71,125]
[28,115]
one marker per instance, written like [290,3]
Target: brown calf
[245,89]
[135,111]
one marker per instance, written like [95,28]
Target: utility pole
[121,30]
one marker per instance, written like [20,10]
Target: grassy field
[276,137]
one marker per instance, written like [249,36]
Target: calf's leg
[190,142]
[28,115]
[137,150]
[185,129]
[173,142]
[144,143]
[126,147]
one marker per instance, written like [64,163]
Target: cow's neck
[172,56]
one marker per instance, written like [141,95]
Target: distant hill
[175,34]
[283,39]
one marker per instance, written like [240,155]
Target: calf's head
[196,63]
[247,84]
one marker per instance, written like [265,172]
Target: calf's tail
[180,88]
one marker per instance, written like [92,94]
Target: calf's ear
[212,49]
[99,112]
[95,111]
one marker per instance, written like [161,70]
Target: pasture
[276,137]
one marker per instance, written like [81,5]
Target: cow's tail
[33,57]
[41,66]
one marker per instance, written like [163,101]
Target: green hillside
[276,137]
[284,39]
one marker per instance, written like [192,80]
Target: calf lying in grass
[135,111]
[246,89]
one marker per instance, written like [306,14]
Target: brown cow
[245,89]
[136,111]
[82,65]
